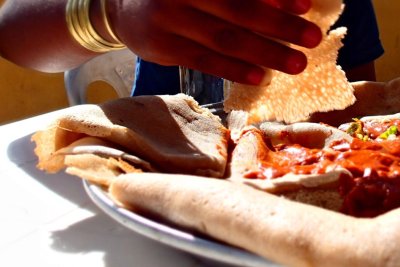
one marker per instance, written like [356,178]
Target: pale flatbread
[322,86]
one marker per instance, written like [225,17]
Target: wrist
[89,25]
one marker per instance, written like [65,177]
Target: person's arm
[34,34]
[364,72]
[226,38]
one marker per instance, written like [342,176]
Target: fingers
[270,18]
[233,39]
[235,42]
[185,52]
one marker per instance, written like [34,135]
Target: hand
[233,39]
[372,98]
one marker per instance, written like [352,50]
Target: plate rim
[171,236]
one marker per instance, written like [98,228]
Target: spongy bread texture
[172,130]
[322,86]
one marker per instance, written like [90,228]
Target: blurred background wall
[387,12]
[24,93]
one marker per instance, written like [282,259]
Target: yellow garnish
[356,130]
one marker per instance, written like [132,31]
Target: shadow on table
[130,250]
[87,236]
[21,153]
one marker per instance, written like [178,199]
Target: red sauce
[373,188]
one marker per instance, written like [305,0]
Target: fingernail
[255,76]
[311,37]
[296,63]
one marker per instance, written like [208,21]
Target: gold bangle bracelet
[84,17]
[71,20]
[78,28]
[82,30]
[107,22]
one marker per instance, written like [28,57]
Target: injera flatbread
[246,155]
[173,132]
[290,233]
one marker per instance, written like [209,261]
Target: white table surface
[48,220]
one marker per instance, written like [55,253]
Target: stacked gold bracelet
[82,30]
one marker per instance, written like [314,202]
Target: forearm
[364,72]
[34,34]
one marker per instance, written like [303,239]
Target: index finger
[269,18]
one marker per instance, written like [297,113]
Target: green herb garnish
[392,130]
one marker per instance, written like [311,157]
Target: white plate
[172,236]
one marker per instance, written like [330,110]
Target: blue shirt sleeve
[154,79]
